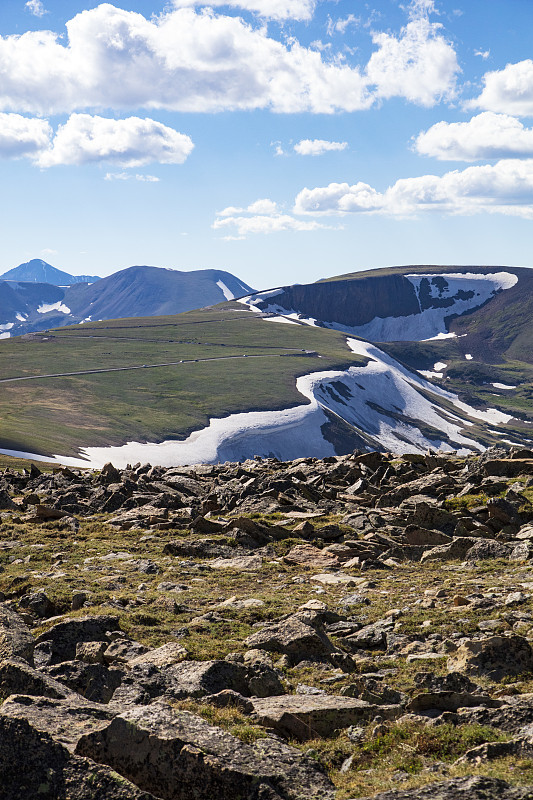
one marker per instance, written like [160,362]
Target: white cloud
[316,147]
[36,8]
[505,188]
[264,216]
[483,53]
[488,135]
[340,25]
[128,176]
[272,9]
[20,136]
[266,224]
[263,206]
[509,90]
[182,60]
[419,64]
[130,142]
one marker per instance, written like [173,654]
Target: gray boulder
[496,657]
[61,640]
[33,765]
[180,756]
[64,720]
[310,716]
[457,549]
[300,636]
[16,640]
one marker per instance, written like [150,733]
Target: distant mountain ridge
[141,291]
[39,271]
[413,359]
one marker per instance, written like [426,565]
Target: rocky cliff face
[393,305]
[351,303]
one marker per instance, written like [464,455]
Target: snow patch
[228,294]
[427,373]
[389,406]
[450,335]
[469,356]
[7,326]
[503,386]
[439,366]
[45,308]
[20,317]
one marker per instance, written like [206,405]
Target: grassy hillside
[142,402]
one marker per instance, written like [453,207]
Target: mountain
[27,307]
[446,367]
[152,291]
[38,271]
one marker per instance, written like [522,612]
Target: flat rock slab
[309,716]
[64,720]
[478,788]
[241,563]
[306,555]
[450,701]
[179,756]
[164,656]
[33,765]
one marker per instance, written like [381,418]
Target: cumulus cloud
[182,60]
[488,135]
[130,142]
[36,8]
[508,90]
[316,147]
[266,224]
[272,9]
[505,187]
[261,216]
[198,61]
[263,206]
[20,136]
[419,64]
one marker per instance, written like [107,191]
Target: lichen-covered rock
[33,765]
[62,638]
[457,549]
[478,788]
[16,640]
[496,657]
[64,720]
[178,756]
[17,677]
[310,716]
[300,636]
[95,682]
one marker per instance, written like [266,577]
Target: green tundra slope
[140,400]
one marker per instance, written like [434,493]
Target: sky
[281,140]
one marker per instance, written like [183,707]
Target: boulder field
[354,626]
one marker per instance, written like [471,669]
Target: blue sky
[282,140]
